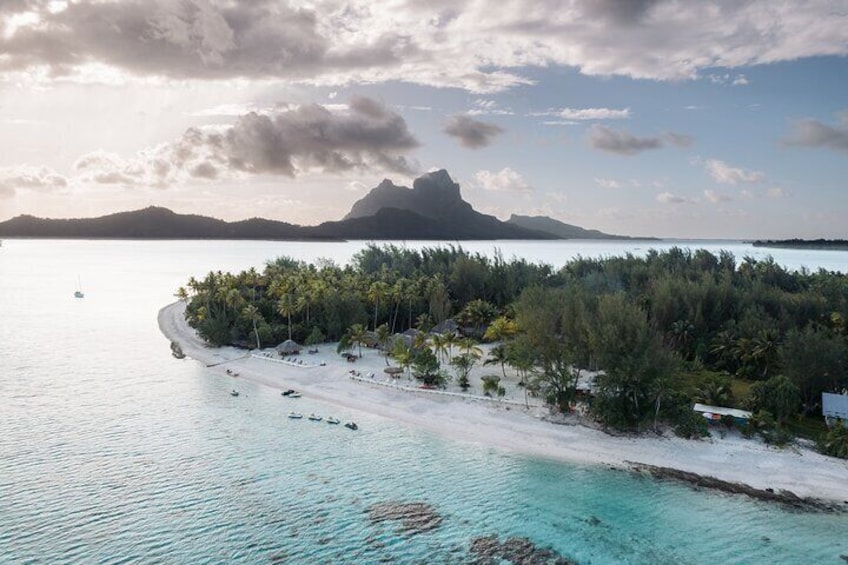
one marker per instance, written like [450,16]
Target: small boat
[315,417]
[351,426]
[234,393]
[295,415]
[288,392]
[294,395]
[332,420]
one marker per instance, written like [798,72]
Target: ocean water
[112,451]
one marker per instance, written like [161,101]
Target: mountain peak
[432,195]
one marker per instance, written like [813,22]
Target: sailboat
[78,292]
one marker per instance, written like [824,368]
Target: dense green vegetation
[665,329]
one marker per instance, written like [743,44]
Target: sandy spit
[512,426]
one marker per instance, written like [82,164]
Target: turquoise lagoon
[112,451]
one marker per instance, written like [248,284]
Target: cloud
[40,179]
[669,198]
[620,142]
[607,183]
[813,133]
[483,106]
[363,135]
[678,139]
[726,174]
[776,193]
[716,197]
[471,133]
[505,180]
[463,43]
[727,78]
[586,113]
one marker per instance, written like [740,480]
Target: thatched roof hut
[449,326]
[288,347]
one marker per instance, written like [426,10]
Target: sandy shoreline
[514,428]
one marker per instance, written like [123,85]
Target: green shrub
[835,441]
[690,425]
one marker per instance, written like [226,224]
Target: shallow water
[112,451]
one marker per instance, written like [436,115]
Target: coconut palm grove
[661,331]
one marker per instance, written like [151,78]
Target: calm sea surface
[112,451]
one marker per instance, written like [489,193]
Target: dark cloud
[313,137]
[367,136]
[440,43]
[191,39]
[204,170]
[812,133]
[471,133]
[621,142]
[621,12]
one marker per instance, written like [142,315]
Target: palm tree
[376,292]
[498,355]
[252,313]
[764,350]
[467,346]
[397,293]
[182,294]
[286,307]
[500,329]
[233,299]
[403,355]
[383,336]
[439,345]
[356,335]
[451,339]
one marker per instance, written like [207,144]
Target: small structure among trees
[717,413]
[288,347]
[834,407]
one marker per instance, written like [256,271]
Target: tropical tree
[251,312]
[778,395]
[500,329]
[715,391]
[451,339]
[377,292]
[835,441]
[476,315]
[439,345]
[469,347]
[403,354]
[633,359]
[554,326]
[315,337]
[356,335]
[182,294]
[500,356]
[383,337]
[463,364]
[286,306]
[816,360]
[425,367]
[491,383]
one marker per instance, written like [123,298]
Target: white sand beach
[509,425]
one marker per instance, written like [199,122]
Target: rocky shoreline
[784,497]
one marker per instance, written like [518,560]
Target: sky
[664,118]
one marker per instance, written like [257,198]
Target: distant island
[433,209]
[826,244]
